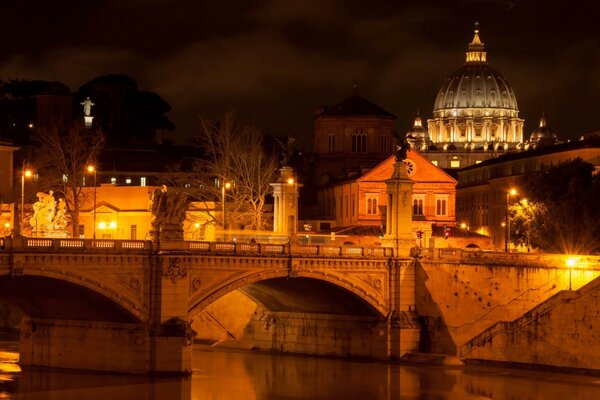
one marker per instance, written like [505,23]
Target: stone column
[285,210]
[404,329]
[171,334]
[399,212]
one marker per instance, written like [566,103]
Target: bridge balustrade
[109,245]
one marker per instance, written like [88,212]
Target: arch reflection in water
[245,375]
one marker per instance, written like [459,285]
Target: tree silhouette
[567,215]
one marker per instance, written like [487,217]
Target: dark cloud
[273,61]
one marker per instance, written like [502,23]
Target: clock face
[411,167]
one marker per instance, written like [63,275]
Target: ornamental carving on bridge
[174,270]
[16,269]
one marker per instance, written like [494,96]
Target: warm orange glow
[503,224]
[513,192]
[197,225]
[290,181]
[102,225]
[463,225]
[91,168]
[227,185]
[112,224]
[27,173]
[571,262]
[7,225]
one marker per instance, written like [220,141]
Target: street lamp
[224,185]
[570,263]
[511,192]
[92,170]
[25,172]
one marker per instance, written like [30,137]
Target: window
[331,139]
[133,232]
[372,203]
[113,181]
[418,202]
[347,207]
[128,181]
[143,181]
[359,141]
[384,148]
[441,205]
[454,163]
[434,162]
[65,178]
[81,231]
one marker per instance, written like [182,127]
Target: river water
[222,374]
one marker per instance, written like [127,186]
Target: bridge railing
[67,245]
[133,246]
[287,249]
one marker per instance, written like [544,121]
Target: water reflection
[250,375]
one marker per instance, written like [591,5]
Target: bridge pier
[404,329]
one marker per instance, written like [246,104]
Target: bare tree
[235,154]
[62,158]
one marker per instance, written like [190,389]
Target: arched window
[359,141]
[331,143]
[440,207]
[372,203]
[418,205]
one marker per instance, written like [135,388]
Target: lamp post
[511,192]
[570,263]
[24,173]
[91,169]
[224,185]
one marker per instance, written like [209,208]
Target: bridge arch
[46,293]
[348,290]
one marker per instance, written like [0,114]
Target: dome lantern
[476,50]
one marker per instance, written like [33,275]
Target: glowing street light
[25,172]
[224,185]
[571,262]
[92,170]
[511,192]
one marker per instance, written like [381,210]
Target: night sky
[274,61]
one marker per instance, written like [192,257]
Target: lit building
[358,206]
[482,190]
[356,131]
[475,115]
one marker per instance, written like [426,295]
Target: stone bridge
[127,305]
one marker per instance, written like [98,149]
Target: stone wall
[320,334]
[458,300]
[561,332]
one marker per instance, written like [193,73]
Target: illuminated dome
[476,104]
[543,134]
[417,135]
[417,131]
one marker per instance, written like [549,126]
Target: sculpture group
[168,209]
[49,216]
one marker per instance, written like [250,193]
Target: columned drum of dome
[476,106]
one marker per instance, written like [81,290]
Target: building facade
[349,138]
[482,191]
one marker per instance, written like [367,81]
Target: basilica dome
[475,85]
[476,104]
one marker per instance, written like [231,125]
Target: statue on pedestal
[87,106]
[168,209]
[402,150]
